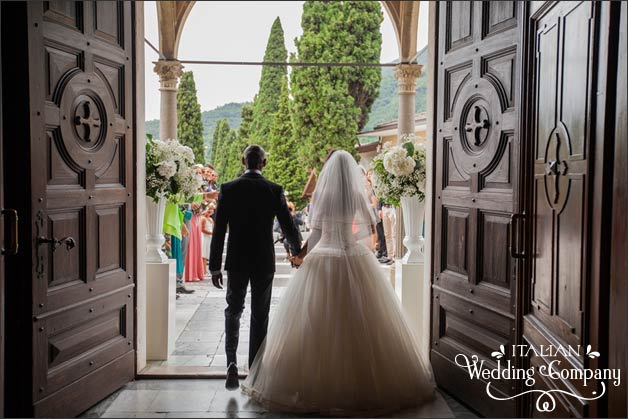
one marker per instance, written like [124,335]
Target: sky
[238,31]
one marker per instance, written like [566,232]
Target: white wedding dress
[338,343]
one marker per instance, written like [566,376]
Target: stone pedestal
[415,300]
[161,305]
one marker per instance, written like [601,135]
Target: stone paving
[199,348]
[200,352]
[207,398]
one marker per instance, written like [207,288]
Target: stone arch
[172,15]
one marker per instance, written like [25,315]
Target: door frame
[2,247]
[139,128]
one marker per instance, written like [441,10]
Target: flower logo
[501,353]
[592,354]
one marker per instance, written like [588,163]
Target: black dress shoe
[232,382]
[182,290]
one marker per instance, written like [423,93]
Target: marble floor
[207,398]
[199,348]
[199,351]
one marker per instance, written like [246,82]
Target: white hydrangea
[170,173]
[188,180]
[398,163]
[186,152]
[167,169]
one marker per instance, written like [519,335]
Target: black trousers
[381,239]
[261,289]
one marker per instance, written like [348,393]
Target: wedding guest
[389,220]
[194,270]
[207,228]
[175,228]
[177,219]
[370,194]
[294,215]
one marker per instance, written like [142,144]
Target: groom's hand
[217,280]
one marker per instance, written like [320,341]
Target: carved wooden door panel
[81,81]
[563,67]
[477,174]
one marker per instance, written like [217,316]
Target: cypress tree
[331,104]
[283,166]
[234,167]
[189,123]
[266,102]
[223,138]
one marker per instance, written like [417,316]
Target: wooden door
[476,194]
[1,250]
[618,303]
[77,313]
[571,88]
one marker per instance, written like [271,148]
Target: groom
[248,206]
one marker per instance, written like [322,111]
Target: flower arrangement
[169,171]
[399,170]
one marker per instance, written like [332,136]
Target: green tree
[190,125]
[267,100]
[244,131]
[234,167]
[283,166]
[223,138]
[331,104]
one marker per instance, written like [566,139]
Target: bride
[339,343]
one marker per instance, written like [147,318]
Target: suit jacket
[248,205]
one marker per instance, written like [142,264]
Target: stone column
[406,75]
[169,71]
[409,277]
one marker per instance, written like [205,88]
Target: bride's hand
[296,261]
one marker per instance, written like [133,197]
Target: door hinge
[11,226]
[517,222]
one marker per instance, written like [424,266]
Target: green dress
[173,221]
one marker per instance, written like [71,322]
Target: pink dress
[194,260]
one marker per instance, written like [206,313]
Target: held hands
[297,260]
[217,280]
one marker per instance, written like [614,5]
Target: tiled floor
[207,398]
[199,347]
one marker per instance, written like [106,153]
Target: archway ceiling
[173,14]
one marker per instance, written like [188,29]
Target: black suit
[248,206]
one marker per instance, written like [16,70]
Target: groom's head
[254,157]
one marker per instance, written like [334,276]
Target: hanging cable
[154,48]
[287,64]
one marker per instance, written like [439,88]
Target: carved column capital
[169,74]
[406,75]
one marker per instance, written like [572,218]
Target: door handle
[12,228]
[516,222]
[68,241]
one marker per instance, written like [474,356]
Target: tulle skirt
[339,344]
